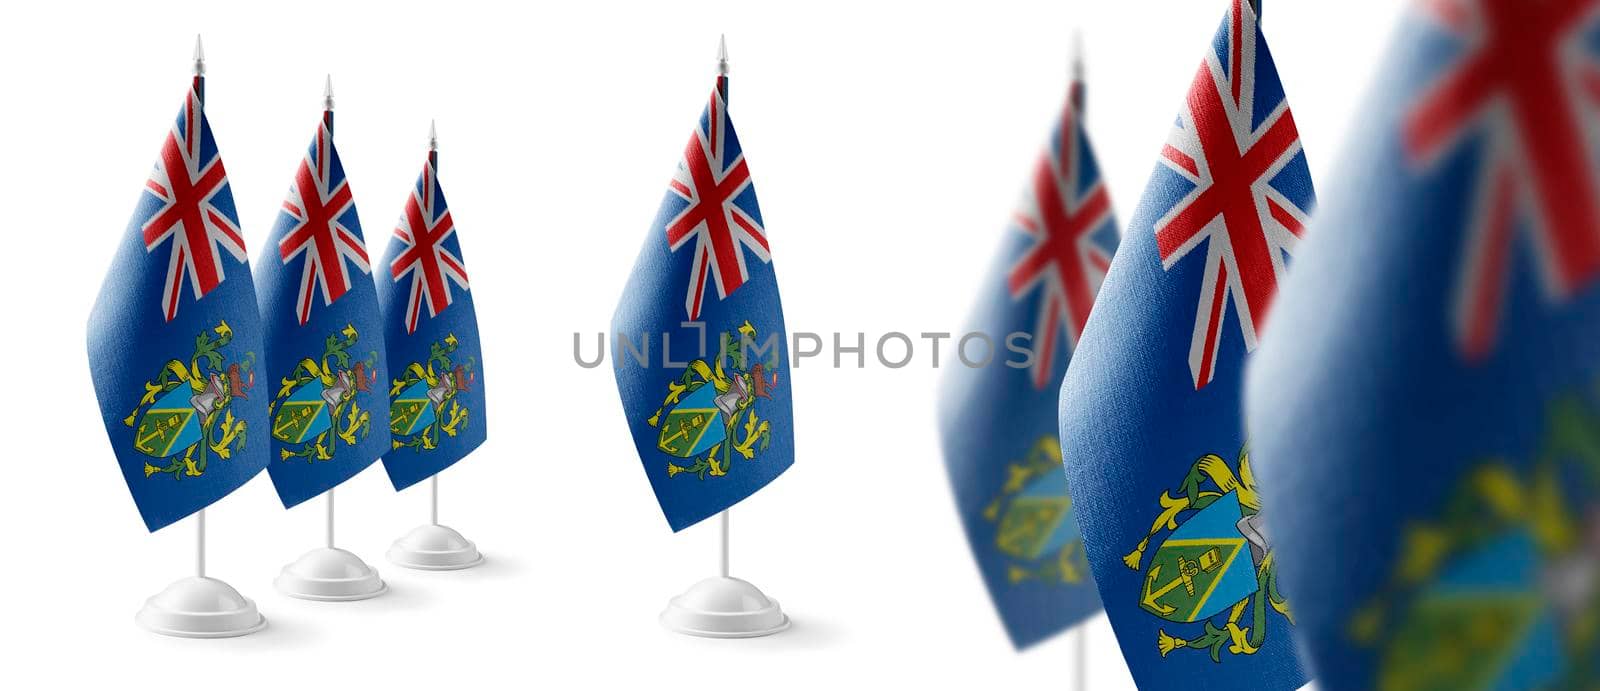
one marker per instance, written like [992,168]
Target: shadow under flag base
[200,607]
[434,548]
[724,607]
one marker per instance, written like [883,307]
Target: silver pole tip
[722,55]
[327,93]
[1077,55]
[433,136]
[199,57]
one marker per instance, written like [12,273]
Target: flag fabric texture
[1151,423]
[699,342]
[998,423]
[325,348]
[1426,414]
[436,395]
[174,338]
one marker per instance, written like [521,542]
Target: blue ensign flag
[997,423]
[431,330]
[174,339]
[1426,413]
[1151,425]
[699,347]
[325,348]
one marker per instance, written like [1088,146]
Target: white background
[888,142]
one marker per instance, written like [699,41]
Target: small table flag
[175,344]
[1426,412]
[326,356]
[1151,423]
[709,430]
[998,423]
[436,396]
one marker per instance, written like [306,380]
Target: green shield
[302,415]
[411,412]
[169,426]
[1201,569]
[693,425]
[1038,521]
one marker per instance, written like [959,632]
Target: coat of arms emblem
[1499,589]
[185,416]
[709,413]
[423,400]
[317,405]
[1034,525]
[1215,563]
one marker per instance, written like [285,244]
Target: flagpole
[723,570]
[1080,655]
[327,121]
[433,500]
[433,161]
[199,86]
[722,73]
[1080,634]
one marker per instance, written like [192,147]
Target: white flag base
[434,548]
[198,607]
[724,608]
[330,574]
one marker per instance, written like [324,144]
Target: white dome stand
[724,607]
[200,607]
[330,574]
[434,547]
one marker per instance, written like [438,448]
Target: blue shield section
[173,406]
[306,400]
[1221,575]
[153,308]
[424,416]
[694,425]
[1435,361]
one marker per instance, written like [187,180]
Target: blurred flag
[998,423]
[330,418]
[431,330]
[1426,414]
[1151,422]
[174,337]
[700,353]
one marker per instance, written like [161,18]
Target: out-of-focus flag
[174,338]
[319,307]
[1426,414]
[998,423]
[1152,428]
[431,330]
[700,354]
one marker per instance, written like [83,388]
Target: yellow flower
[1241,643]
[673,470]
[1167,644]
[150,470]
